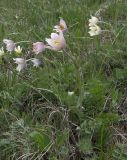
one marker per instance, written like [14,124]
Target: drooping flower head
[36,62]
[61,26]
[38,47]
[21,63]
[56,42]
[93,21]
[10,45]
[94,30]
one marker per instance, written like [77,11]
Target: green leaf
[53,158]
[107,118]
[4,142]
[85,144]
[62,137]
[41,139]
[121,73]
[120,152]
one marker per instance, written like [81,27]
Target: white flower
[70,93]
[62,26]
[78,128]
[38,47]
[21,63]
[36,62]
[94,30]
[18,49]
[10,45]
[93,21]
[2,51]
[56,42]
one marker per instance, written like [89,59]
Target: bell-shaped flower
[10,45]
[93,21]
[1,51]
[21,63]
[38,47]
[61,26]
[18,49]
[70,93]
[94,30]
[56,42]
[36,62]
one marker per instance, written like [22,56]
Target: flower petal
[54,36]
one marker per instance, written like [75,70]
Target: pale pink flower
[38,47]
[21,63]
[56,42]
[10,45]
[61,26]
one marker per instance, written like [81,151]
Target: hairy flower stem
[77,63]
[79,82]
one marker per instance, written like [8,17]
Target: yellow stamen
[61,27]
[56,42]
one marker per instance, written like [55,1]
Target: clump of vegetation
[63,97]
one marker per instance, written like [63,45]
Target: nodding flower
[56,42]
[36,62]
[38,47]
[61,26]
[10,45]
[94,30]
[70,93]
[21,63]
[93,21]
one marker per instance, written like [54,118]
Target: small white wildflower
[36,62]
[70,93]
[78,128]
[93,21]
[94,30]
[18,49]
[21,63]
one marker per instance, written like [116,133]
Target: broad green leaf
[41,139]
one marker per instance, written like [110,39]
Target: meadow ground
[74,106]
